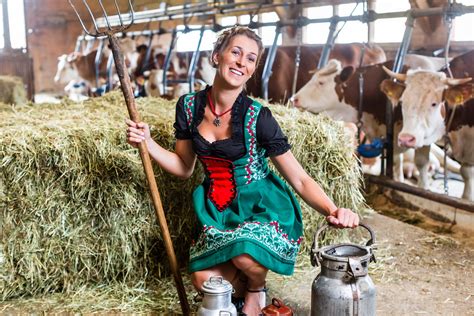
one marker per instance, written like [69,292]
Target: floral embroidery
[189,108]
[268,235]
[256,167]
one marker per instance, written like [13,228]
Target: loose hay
[75,207]
[12,90]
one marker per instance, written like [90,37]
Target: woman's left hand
[342,218]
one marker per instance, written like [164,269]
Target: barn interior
[69,180]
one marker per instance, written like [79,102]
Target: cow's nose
[294,100]
[406,140]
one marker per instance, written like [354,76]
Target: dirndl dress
[242,207]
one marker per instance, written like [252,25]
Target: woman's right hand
[137,132]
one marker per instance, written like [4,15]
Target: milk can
[217,298]
[343,287]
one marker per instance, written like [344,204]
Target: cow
[281,81]
[434,105]
[154,83]
[335,91]
[77,67]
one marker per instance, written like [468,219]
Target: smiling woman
[248,220]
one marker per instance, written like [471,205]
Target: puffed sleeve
[269,134]
[181,129]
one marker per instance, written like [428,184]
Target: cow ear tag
[393,90]
[458,95]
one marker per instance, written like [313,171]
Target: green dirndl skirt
[263,221]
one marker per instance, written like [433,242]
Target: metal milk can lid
[216,285]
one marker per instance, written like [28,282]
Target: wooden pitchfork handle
[155,195]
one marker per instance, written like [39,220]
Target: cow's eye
[434,104]
[320,83]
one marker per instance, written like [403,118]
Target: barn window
[352,31]
[463,26]
[229,20]
[16,38]
[317,33]
[390,30]
[2,40]
[268,32]
[189,41]
[243,19]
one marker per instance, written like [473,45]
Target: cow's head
[319,94]
[66,72]
[423,96]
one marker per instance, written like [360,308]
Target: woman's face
[237,62]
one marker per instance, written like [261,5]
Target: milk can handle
[216,279]
[315,246]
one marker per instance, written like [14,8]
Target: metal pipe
[110,63]
[166,65]
[6,26]
[98,59]
[194,61]
[432,196]
[267,69]
[402,50]
[78,46]
[329,43]
[146,64]
[162,15]
[397,67]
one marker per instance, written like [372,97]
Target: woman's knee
[199,277]
[244,262]
[226,270]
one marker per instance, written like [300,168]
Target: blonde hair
[226,35]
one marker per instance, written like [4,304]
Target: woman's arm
[311,192]
[179,163]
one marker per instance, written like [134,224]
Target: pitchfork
[109,32]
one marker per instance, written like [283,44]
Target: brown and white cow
[281,81]
[76,66]
[178,70]
[335,91]
[434,104]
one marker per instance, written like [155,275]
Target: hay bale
[12,90]
[75,210]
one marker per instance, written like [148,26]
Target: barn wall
[54,29]
[53,32]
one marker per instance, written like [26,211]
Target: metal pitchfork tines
[109,31]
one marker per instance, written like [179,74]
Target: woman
[249,220]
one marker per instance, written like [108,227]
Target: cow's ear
[393,90]
[346,73]
[458,95]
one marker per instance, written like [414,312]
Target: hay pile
[75,210]
[12,90]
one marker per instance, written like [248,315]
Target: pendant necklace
[217,120]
